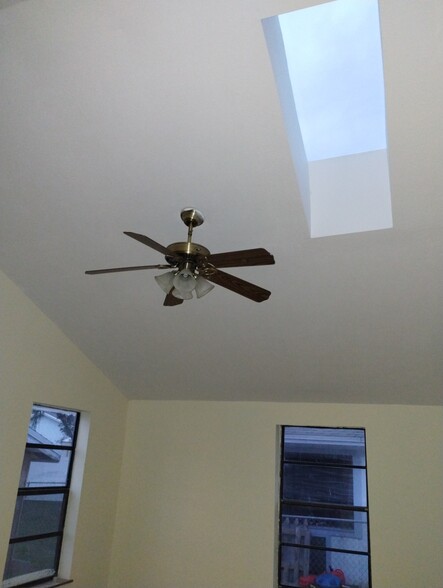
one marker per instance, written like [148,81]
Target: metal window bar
[329,505]
[341,466]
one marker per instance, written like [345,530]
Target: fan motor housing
[186,250]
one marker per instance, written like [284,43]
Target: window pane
[324,484]
[297,563]
[31,556]
[346,529]
[325,446]
[35,515]
[45,467]
[52,426]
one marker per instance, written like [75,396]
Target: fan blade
[239,286]
[171,300]
[241,258]
[112,270]
[149,242]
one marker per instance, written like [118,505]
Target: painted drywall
[196,503]
[277,54]
[39,364]
[197,499]
[350,194]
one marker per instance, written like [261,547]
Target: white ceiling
[116,115]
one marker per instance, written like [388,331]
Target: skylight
[328,65]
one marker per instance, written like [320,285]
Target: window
[37,528]
[323,506]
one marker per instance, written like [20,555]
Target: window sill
[48,583]
[53,583]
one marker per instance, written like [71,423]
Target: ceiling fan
[193,267]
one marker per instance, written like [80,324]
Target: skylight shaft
[328,65]
[335,66]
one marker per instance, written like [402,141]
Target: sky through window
[335,66]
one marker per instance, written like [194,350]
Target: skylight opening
[328,65]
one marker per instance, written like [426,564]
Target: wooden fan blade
[171,300]
[241,258]
[239,286]
[149,242]
[112,270]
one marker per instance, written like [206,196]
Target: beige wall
[39,364]
[196,502]
[196,505]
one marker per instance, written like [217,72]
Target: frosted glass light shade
[184,281]
[202,287]
[182,295]
[165,281]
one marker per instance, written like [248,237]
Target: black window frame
[63,489]
[282,502]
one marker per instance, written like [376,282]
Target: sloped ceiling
[116,115]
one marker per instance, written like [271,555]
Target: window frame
[282,502]
[44,490]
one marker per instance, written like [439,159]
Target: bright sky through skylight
[335,65]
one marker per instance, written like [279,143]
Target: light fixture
[165,281]
[181,295]
[182,283]
[202,287]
